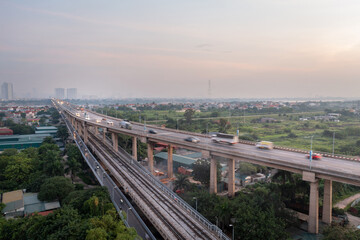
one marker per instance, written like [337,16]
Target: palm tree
[182,182]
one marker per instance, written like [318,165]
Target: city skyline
[247,49]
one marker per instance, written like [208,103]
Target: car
[152,131]
[192,139]
[98,120]
[315,156]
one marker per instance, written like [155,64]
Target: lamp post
[127,215]
[231,225]
[333,144]
[195,203]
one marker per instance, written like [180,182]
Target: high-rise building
[7,91]
[71,93]
[59,93]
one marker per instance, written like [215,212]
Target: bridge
[329,168]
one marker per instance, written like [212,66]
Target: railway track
[174,217]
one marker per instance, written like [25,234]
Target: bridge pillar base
[170,161]
[134,148]
[150,150]
[115,141]
[327,202]
[313,223]
[231,182]
[213,176]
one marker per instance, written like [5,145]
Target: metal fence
[170,193]
[119,200]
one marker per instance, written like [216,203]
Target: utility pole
[333,144]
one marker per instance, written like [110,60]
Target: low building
[22,141]
[19,204]
[46,130]
[6,131]
[178,161]
[14,203]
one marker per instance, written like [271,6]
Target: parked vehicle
[125,124]
[225,138]
[152,131]
[264,145]
[315,156]
[192,139]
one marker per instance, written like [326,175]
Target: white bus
[225,138]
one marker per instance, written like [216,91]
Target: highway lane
[339,166]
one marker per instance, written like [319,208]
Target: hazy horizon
[246,49]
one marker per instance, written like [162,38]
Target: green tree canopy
[55,188]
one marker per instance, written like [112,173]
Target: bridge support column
[104,135]
[327,202]
[150,149]
[85,134]
[213,176]
[313,223]
[96,130]
[231,177]
[170,161]
[115,141]
[134,147]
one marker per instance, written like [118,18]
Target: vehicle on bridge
[87,117]
[315,156]
[77,114]
[152,131]
[264,145]
[125,124]
[192,139]
[225,138]
[98,120]
[111,123]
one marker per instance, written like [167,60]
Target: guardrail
[117,197]
[170,193]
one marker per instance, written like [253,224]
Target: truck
[125,124]
[265,145]
[225,138]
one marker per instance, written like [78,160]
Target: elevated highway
[328,168]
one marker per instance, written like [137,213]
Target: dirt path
[342,204]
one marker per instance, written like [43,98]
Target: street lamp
[333,144]
[127,215]
[195,203]
[231,225]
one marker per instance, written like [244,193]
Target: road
[341,170]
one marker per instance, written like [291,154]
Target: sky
[162,48]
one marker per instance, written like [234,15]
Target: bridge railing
[290,149]
[119,200]
[170,193]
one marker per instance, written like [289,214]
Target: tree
[62,133]
[181,182]
[52,164]
[201,171]
[224,125]
[55,188]
[109,227]
[341,233]
[189,113]
[23,115]
[48,140]
[73,167]
[19,169]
